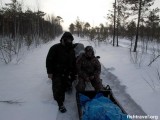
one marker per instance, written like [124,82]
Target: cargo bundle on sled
[91,108]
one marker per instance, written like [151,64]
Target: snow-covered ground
[25,90]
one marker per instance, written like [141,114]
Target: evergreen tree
[72,28]
[139,7]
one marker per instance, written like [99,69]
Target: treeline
[82,29]
[14,22]
[20,27]
[136,20]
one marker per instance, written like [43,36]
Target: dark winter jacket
[60,60]
[88,67]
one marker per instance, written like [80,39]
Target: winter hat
[89,48]
[67,35]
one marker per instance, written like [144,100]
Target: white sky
[92,11]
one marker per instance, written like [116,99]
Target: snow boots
[62,109]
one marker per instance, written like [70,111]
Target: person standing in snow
[89,69]
[61,66]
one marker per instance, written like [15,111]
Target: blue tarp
[100,108]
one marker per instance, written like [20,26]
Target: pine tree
[139,7]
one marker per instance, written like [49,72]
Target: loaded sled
[102,105]
[91,109]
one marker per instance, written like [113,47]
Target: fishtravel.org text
[143,117]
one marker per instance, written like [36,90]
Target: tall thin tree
[114,32]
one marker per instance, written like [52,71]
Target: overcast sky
[92,11]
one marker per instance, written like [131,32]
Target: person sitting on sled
[89,69]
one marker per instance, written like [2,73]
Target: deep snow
[25,90]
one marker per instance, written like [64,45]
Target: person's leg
[68,84]
[58,92]
[81,84]
[97,84]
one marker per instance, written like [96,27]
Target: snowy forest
[128,45]
[19,28]
[135,20]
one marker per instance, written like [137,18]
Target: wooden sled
[107,93]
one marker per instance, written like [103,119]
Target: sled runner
[86,98]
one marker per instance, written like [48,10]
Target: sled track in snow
[130,106]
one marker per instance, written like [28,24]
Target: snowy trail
[131,107]
[27,86]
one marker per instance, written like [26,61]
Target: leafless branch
[149,84]
[153,60]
